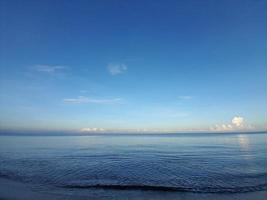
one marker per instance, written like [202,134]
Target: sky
[118,65]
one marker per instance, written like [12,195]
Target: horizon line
[79,133]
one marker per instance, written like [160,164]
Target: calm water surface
[205,163]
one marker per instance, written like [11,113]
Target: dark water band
[172,189]
[242,189]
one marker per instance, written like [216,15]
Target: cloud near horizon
[115,69]
[237,123]
[84,100]
[92,130]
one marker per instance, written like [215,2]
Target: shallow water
[199,163]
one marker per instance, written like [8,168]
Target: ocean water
[190,163]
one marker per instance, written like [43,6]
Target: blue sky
[133,65]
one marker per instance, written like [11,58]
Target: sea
[99,164]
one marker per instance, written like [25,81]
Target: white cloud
[92,130]
[49,68]
[141,130]
[237,123]
[115,69]
[185,97]
[83,100]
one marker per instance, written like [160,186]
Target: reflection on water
[244,145]
[243,141]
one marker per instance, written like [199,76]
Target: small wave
[2,175]
[8,175]
[172,188]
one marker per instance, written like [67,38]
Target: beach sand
[11,190]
